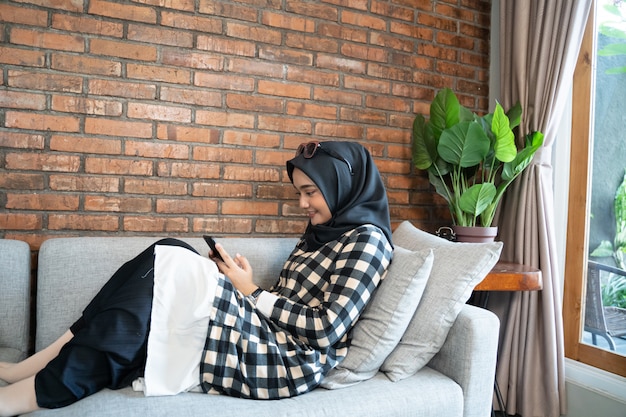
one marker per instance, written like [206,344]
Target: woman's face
[311,199]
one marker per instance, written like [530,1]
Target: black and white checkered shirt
[319,297]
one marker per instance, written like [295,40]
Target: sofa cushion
[457,269]
[385,318]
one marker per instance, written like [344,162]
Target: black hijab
[353,199]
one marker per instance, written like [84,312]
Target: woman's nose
[304,202]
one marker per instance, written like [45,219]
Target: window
[598,161]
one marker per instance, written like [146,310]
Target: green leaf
[604,249]
[504,145]
[613,49]
[465,144]
[477,198]
[513,168]
[444,111]
[422,158]
[515,115]
[616,70]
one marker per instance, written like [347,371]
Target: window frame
[579,201]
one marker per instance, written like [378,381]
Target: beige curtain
[539,44]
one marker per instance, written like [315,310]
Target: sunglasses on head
[309,149]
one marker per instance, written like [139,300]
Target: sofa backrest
[72,270]
[14,295]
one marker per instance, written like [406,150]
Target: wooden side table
[506,276]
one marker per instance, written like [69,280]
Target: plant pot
[475,234]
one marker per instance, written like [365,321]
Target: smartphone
[211,242]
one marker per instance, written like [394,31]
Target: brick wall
[155,117]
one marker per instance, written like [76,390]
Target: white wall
[590,391]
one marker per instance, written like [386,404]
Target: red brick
[47,40]
[364,84]
[283,124]
[222,154]
[322,11]
[337,31]
[155,224]
[197,97]
[82,222]
[115,127]
[392,42]
[84,183]
[224,82]
[276,191]
[363,116]
[389,10]
[122,11]
[21,140]
[74,104]
[34,121]
[95,165]
[45,81]
[195,23]
[22,100]
[260,104]
[187,133]
[188,170]
[284,89]
[187,206]
[154,187]
[23,15]
[437,22]
[163,150]
[454,40]
[228,10]
[246,173]
[17,56]
[84,24]
[254,33]
[226,46]
[157,73]
[366,53]
[337,130]
[254,139]
[388,103]
[122,49]
[312,43]
[315,111]
[243,207]
[309,76]
[275,54]
[363,20]
[222,225]
[87,145]
[337,96]
[18,221]
[280,227]
[118,204]
[51,202]
[289,22]
[185,58]
[86,65]
[18,181]
[159,112]
[229,119]
[148,34]
[417,32]
[341,64]
[219,190]
[42,162]
[122,89]
[255,67]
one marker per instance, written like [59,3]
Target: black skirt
[109,346]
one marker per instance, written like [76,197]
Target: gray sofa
[458,381]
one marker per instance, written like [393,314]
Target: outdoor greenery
[613,29]
[614,289]
[470,160]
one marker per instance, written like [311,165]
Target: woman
[259,344]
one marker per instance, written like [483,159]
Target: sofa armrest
[469,357]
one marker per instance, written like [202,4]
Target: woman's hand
[238,270]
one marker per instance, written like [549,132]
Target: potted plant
[470,159]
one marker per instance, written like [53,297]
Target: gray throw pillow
[457,269]
[384,319]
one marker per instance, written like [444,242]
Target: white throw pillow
[457,269]
[384,319]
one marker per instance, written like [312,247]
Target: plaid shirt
[320,296]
